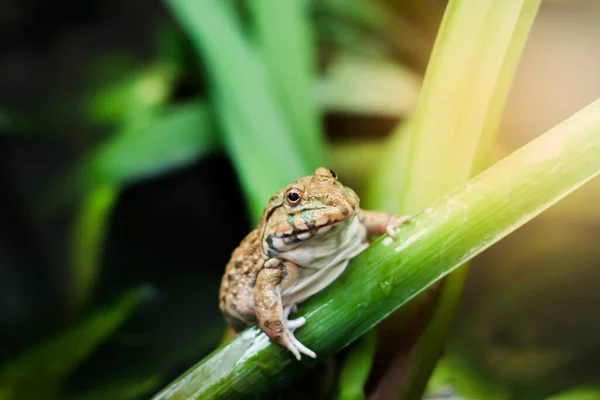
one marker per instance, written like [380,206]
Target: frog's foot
[396,222]
[272,317]
[289,310]
[290,341]
[294,324]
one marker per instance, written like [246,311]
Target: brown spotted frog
[308,232]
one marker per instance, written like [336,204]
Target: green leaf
[580,393]
[477,49]
[87,238]
[142,91]
[471,383]
[461,102]
[375,87]
[390,272]
[176,137]
[356,368]
[121,390]
[290,61]
[42,370]
[150,146]
[376,27]
[386,185]
[256,136]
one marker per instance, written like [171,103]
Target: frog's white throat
[323,258]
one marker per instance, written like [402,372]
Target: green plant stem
[429,346]
[357,365]
[392,271]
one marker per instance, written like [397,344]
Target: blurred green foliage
[245,103]
[153,145]
[252,81]
[43,370]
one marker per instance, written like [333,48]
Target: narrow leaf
[356,368]
[175,137]
[87,238]
[40,372]
[135,94]
[256,136]
[375,87]
[150,146]
[464,92]
[291,64]
[128,389]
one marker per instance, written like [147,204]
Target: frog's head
[311,206]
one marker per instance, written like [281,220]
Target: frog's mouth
[287,241]
[297,236]
[305,225]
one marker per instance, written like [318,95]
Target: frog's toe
[391,230]
[288,344]
[303,349]
[293,344]
[289,310]
[294,324]
[396,222]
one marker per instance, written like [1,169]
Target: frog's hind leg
[272,318]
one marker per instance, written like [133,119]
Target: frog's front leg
[272,318]
[379,222]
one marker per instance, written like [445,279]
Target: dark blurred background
[170,234]
[109,270]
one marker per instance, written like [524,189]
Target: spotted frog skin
[308,232]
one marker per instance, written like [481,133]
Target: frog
[307,234]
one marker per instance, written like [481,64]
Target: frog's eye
[292,197]
[333,174]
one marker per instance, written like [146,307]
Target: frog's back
[236,297]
